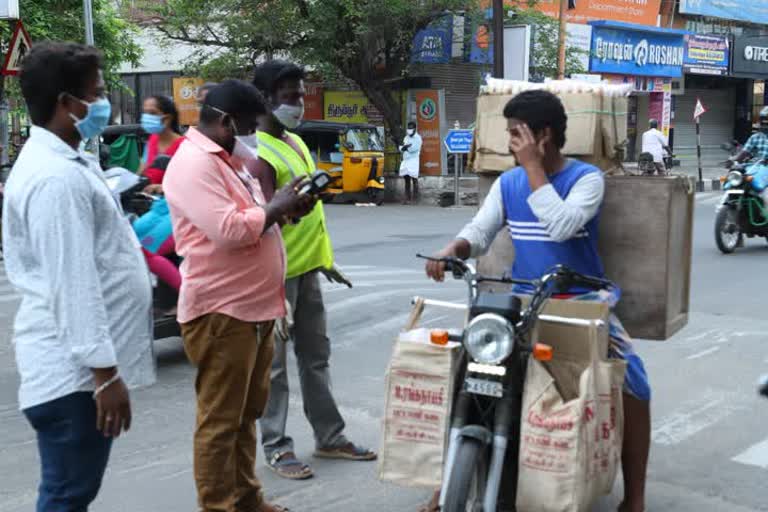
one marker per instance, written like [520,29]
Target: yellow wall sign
[185,96]
[350,107]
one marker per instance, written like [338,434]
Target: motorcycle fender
[730,195]
[482,434]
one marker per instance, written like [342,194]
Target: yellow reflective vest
[307,243]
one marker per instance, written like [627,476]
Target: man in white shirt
[83,333]
[409,167]
[655,143]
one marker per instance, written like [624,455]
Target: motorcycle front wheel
[728,235]
[463,475]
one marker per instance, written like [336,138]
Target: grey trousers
[313,351]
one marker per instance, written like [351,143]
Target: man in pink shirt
[232,289]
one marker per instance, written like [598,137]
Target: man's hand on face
[528,152]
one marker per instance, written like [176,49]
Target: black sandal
[280,462]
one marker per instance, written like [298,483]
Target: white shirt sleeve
[416,145]
[67,239]
[489,220]
[564,218]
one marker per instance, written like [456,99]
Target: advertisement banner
[624,51]
[481,44]
[750,56]
[666,116]
[639,83]
[752,11]
[350,107]
[428,121]
[642,12]
[185,97]
[313,101]
[706,55]
[433,45]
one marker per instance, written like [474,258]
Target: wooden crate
[646,237]
[646,231]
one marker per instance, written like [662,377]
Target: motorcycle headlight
[735,178]
[489,338]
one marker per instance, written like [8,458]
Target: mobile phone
[318,183]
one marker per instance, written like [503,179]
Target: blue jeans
[73,453]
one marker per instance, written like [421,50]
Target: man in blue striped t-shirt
[550,205]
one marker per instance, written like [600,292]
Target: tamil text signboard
[628,51]
[706,55]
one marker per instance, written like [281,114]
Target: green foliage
[62,20]
[544,47]
[367,42]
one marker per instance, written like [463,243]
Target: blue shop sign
[626,49]
[433,44]
[752,11]
[707,55]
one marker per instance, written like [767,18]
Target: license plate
[484,387]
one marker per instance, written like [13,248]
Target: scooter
[128,190]
[485,421]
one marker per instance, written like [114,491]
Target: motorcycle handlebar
[562,276]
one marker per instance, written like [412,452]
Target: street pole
[458,164]
[700,184]
[88,21]
[561,40]
[498,38]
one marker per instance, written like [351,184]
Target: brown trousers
[233,359]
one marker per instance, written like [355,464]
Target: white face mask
[246,147]
[411,132]
[290,115]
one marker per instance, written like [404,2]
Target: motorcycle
[485,420]
[741,212]
[128,190]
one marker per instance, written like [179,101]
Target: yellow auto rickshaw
[353,154]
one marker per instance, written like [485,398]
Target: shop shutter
[717,125]
[461,82]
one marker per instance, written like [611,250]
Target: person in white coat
[409,168]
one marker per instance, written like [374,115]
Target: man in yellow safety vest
[283,155]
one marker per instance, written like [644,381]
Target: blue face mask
[95,120]
[152,123]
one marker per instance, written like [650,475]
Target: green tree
[367,42]
[62,20]
[545,33]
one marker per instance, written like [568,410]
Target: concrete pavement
[710,449]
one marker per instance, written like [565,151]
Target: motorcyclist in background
[756,147]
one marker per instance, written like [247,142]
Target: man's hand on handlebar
[435,269]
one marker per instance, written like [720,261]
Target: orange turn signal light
[749,179]
[439,337]
[722,179]
[542,352]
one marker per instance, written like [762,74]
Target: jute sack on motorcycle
[419,393]
[572,417]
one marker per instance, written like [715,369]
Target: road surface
[710,450]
